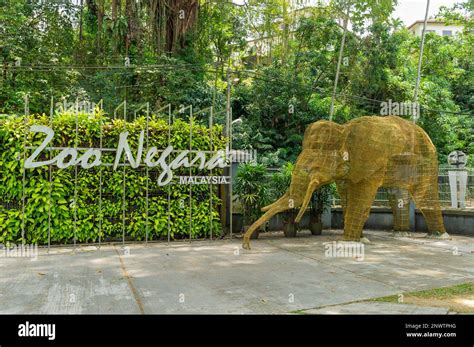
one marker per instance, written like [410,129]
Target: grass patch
[458,298]
[438,293]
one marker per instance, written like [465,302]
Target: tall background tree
[284,54]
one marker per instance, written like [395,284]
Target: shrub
[251,188]
[90,210]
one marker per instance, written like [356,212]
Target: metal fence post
[75,175]
[210,185]
[147,172]
[124,177]
[100,172]
[338,68]
[51,110]
[190,172]
[230,174]
[420,59]
[23,195]
[168,188]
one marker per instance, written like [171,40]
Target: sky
[410,11]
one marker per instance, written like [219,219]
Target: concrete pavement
[279,275]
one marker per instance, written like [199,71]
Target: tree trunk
[181,17]
[170,20]
[100,22]
[114,9]
[80,24]
[286,31]
[134,30]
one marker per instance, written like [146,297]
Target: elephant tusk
[309,192]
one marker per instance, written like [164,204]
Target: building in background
[435,26]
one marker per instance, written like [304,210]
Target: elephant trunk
[282,204]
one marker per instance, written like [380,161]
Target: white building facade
[435,26]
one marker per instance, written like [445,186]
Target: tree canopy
[282,55]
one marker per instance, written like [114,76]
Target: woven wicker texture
[361,156]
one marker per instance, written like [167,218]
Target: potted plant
[251,190]
[320,201]
[280,182]
[290,228]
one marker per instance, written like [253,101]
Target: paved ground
[279,275]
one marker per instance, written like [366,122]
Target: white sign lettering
[92,156]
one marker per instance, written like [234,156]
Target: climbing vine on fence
[53,207]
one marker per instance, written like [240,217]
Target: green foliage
[280,181]
[219,32]
[322,198]
[276,115]
[34,33]
[445,90]
[286,73]
[88,211]
[382,60]
[251,189]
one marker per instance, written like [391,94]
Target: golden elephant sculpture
[360,156]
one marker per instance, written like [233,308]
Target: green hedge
[88,213]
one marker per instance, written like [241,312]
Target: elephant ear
[343,165]
[369,143]
[323,135]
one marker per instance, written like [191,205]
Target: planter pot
[316,228]
[290,229]
[255,233]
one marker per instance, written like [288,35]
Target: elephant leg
[309,192]
[360,197]
[342,191]
[392,201]
[399,200]
[425,195]
[280,205]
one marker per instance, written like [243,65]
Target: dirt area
[459,298]
[460,304]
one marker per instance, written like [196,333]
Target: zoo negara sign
[69,156]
